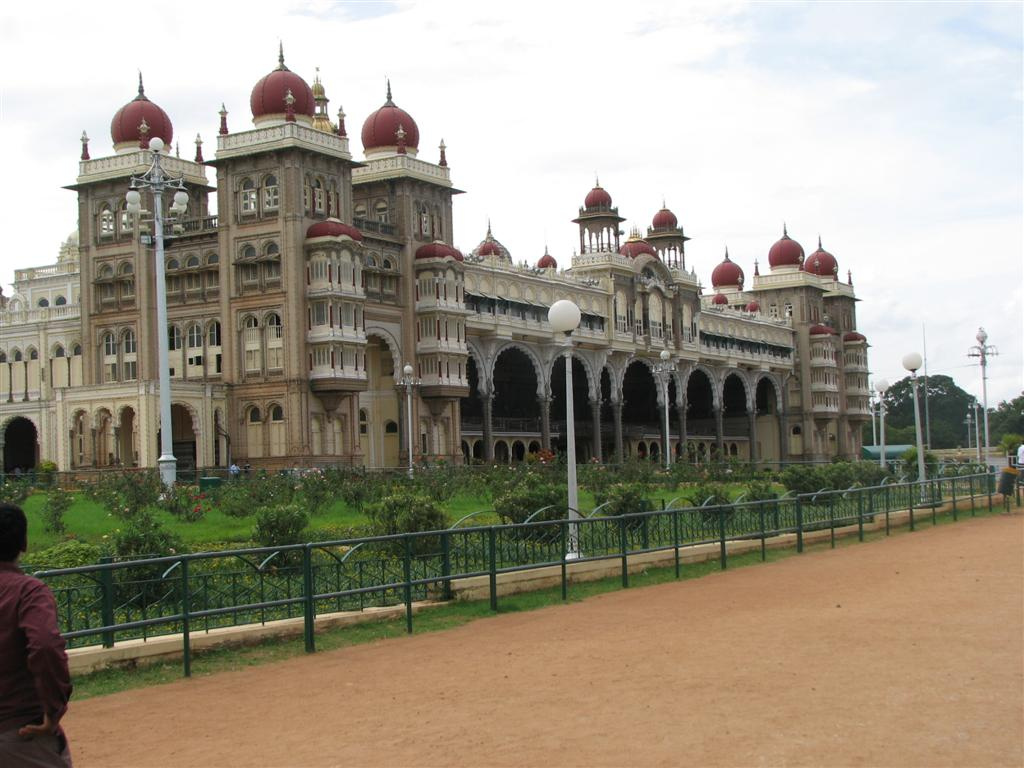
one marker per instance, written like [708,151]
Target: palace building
[294,307]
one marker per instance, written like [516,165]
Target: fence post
[407,573]
[934,501]
[564,528]
[308,609]
[952,488]
[860,516]
[186,608]
[988,487]
[721,536]
[910,506]
[446,553]
[970,488]
[623,549]
[675,539]
[107,604]
[832,519]
[760,517]
[799,526]
[492,557]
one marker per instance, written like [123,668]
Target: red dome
[822,330]
[785,252]
[438,250]
[853,336]
[664,219]
[635,247]
[547,261]
[124,128]
[598,197]
[822,263]
[333,228]
[727,274]
[268,95]
[489,248]
[753,307]
[381,126]
[720,300]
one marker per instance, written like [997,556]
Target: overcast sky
[892,130]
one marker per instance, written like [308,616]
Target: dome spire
[341,122]
[727,253]
[389,102]
[784,232]
[85,146]
[444,159]
[819,242]
[280,57]
[142,91]
[199,148]
[223,119]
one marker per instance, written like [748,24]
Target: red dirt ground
[903,652]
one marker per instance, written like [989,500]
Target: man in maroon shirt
[34,681]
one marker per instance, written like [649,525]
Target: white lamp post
[977,428]
[408,383]
[912,362]
[155,180]
[564,317]
[880,387]
[873,407]
[969,421]
[982,352]
[665,370]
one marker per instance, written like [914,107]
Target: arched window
[128,339]
[251,322]
[33,354]
[106,272]
[318,196]
[130,367]
[109,344]
[126,219]
[254,415]
[43,303]
[390,428]
[106,222]
[273,319]
[125,268]
[213,334]
[271,193]
[195,336]
[363,421]
[173,337]
[60,301]
[247,200]
[76,350]
[58,351]
[277,413]
[360,211]
[3,357]
[192,261]
[249,253]
[17,356]
[172,264]
[381,211]
[213,258]
[272,261]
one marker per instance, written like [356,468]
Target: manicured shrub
[185,502]
[58,502]
[315,491]
[710,494]
[526,494]
[406,512]
[14,490]
[68,554]
[280,525]
[625,499]
[142,535]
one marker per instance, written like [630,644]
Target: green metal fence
[183,594]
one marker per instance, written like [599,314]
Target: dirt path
[902,652]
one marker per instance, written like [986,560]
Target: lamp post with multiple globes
[665,370]
[881,386]
[912,361]
[983,351]
[408,383]
[155,181]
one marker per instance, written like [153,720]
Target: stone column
[617,419]
[92,431]
[753,436]
[719,428]
[595,409]
[544,401]
[117,445]
[783,438]
[488,401]
[681,413]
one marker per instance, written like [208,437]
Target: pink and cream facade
[293,308]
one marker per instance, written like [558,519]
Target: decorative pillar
[545,421]
[783,438]
[595,408]
[719,428]
[753,435]
[488,401]
[117,446]
[681,413]
[617,419]
[92,431]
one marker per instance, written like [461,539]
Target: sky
[891,130]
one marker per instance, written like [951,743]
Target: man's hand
[44,728]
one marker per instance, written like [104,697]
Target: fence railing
[198,592]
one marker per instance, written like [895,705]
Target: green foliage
[1010,441]
[947,406]
[908,464]
[280,525]
[14,490]
[701,492]
[126,494]
[142,535]
[68,554]
[759,490]
[315,490]
[354,489]
[58,502]
[524,492]
[46,471]
[1007,417]
[233,499]
[406,512]
[271,490]
[625,499]
[839,475]
[184,502]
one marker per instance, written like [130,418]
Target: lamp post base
[168,469]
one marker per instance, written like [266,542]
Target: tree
[947,407]
[1007,418]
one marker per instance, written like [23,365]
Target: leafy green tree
[947,406]
[1006,418]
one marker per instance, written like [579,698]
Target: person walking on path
[35,684]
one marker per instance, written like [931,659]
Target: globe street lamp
[154,180]
[665,369]
[564,317]
[408,383]
[977,427]
[912,362]
[969,421]
[880,387]
[982,351]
